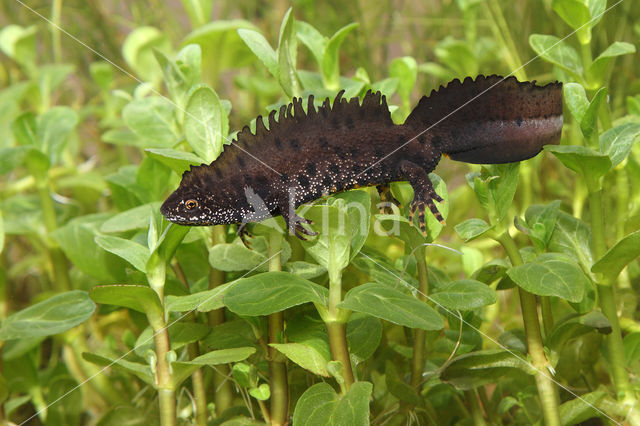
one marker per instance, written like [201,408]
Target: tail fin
[490,119]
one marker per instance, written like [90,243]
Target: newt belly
[304,155]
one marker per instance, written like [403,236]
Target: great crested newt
[304,155]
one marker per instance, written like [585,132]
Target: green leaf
[142,371]
[178,161]
[65,401]
[578,410]
[458,56]
[102,74]
[631,344]
[152,120]
[51,316]
[19,43]
[77,238]
[491,271]
[311,37]
[331,248]
[199,11]
[137,297]
[134,253]
[495,188]
[270,292]
[618,141]
[261,48]
[570,236]
[398,388]
[262,392]
[1,232]
[202,301]
[205,123]
[306,356]
[556,51]
[10,158]
[287,49]
[551,275]
[363,336]
[576,14]
[405,69]
[305,270]
[589,122]
[573,326]
[618,256]
[596,72]
[129,220]
[330,57]
[138,48]
[236,256]
[25,129]
[589,164]
[543,224]
[575,96]
[224,356]
[321,405]
[54,127]
[471,229]
[478,368]
[392,305]
[464,295]
[221,44]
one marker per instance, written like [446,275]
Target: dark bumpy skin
[335,148]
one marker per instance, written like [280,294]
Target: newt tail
[304,155]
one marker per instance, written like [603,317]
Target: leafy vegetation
[523,310]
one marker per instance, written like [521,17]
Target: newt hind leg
[424,194]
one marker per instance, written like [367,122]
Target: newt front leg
[423,193]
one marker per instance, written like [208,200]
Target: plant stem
[56,9]
[504,36]
[166,391]
[61,280]
[417,361]
[336,324]
[476,411]
[607,301]
[279,410]
[544,382]
[199,390]
[223,395]
[547,314]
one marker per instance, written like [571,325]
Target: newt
[304,155]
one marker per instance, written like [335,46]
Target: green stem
[476,411]
[546,387]
[417,361]
[607,301]
[547,314]
[503,34]
[62,282]
[336,324]
[223,387]
[56,10]
[199,389]
[279,410]
[166,391]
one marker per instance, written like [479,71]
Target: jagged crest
[487,97]
[292,119]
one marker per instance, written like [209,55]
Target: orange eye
[191,204]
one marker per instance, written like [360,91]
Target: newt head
[187,208]
[189,204]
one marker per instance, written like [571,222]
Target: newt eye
[191,204]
